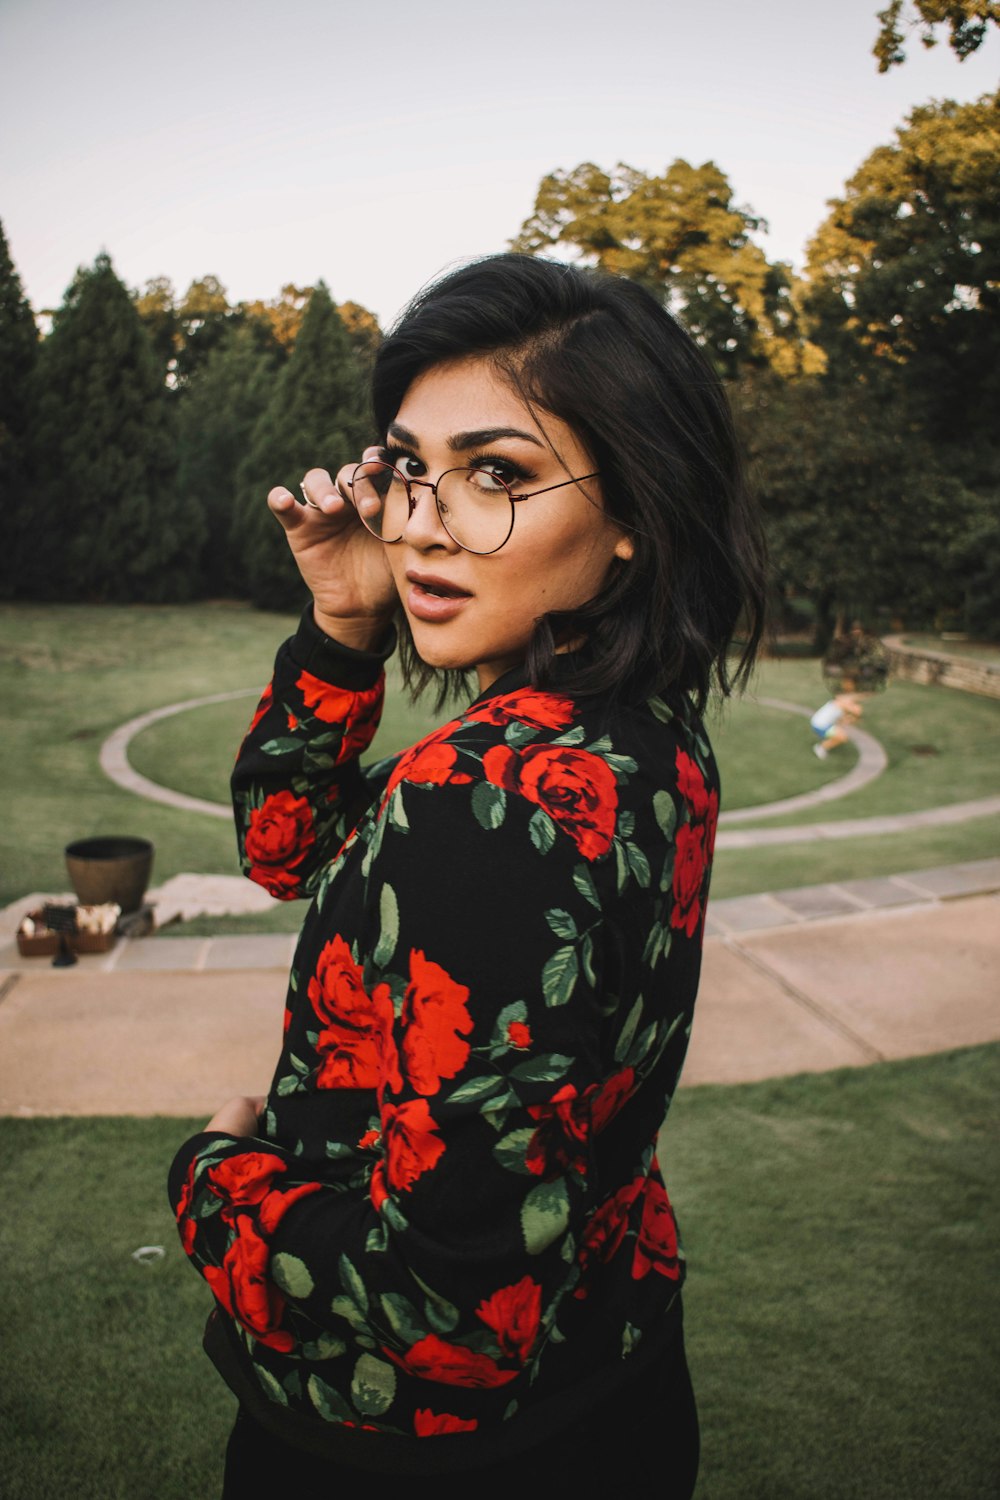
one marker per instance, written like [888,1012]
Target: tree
[966,20]
[18,354]
[217,414]
[905,272]
[682,236]
[317,412]
[863,517]
[110,523]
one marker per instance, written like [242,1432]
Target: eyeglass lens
[475,507]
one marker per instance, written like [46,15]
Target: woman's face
[470,611]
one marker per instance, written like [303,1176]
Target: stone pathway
[871,763]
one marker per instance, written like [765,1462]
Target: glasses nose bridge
[411,499]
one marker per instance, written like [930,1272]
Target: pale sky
[371,144]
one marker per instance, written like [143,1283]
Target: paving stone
[137,1044]
[747,1026]
[880,891]
[905,982]
[980,875]
[162,953]
[747,913]
[260,950]
[817,901]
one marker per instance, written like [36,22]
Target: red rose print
[558,1144]
[431,760]
[266,700]
[519,1035]
[412,1145]
[427,1423]
[275,1206]
[188,1228]
[689,873]
[435,1016]
[656,1249]
[246,1178]
[691,785]
[526,706]
[354,1046]
[357,710]
[575,787]
[432,1359]
[514,1313]
[241,1285]
[610,1097]
[293,723]
[605,1231]
[278,838]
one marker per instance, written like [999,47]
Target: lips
[434,599]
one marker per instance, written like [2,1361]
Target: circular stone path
[871,763]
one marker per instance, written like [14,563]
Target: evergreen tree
[18,353]
[112,525]
[317,414]
[217,413]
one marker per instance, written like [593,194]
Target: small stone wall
[918,664]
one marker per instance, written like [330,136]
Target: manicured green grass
[842,1308]
[982,651]
[74,673]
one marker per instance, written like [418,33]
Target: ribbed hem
[332,661]
[385,1453]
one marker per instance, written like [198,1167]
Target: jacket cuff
[333,662]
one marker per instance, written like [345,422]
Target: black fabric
[644,1441]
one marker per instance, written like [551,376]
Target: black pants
[642,1442]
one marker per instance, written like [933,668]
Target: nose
[423,527]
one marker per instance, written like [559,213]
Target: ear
[624,548]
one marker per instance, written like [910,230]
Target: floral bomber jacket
[453,1217]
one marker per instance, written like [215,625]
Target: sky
[372,144]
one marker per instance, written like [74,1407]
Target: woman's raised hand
[343,565]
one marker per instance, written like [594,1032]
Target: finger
[283,504]
[319,490]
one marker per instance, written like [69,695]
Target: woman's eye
[409,466]
[495,479]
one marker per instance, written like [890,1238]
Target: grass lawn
[77,672]
[843,1305]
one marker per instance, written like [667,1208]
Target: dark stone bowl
[116,868]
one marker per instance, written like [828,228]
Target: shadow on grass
[842,1308]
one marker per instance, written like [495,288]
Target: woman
[443,1245]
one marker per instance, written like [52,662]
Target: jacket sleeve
[297,784]
[447,1255]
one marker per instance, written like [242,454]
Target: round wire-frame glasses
[469,511]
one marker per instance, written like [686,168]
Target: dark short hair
[604,356]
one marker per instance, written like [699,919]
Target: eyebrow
[460,442]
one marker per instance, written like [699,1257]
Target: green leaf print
[511,1150]
[545,1068]
[291,1274]
[659,710]
[441,1314]
[352,1283]
[388,910]
[544,1215]
[373,1385]
[325,1347]
[639,864]
[489,804]
[280,746]
[665,812]
[559,976]
[402,1317]
[562,923]
[518,734]
[628,1031]
[329,1403]
[542,831]
[584,882]
[272,1386]
[476,1088]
